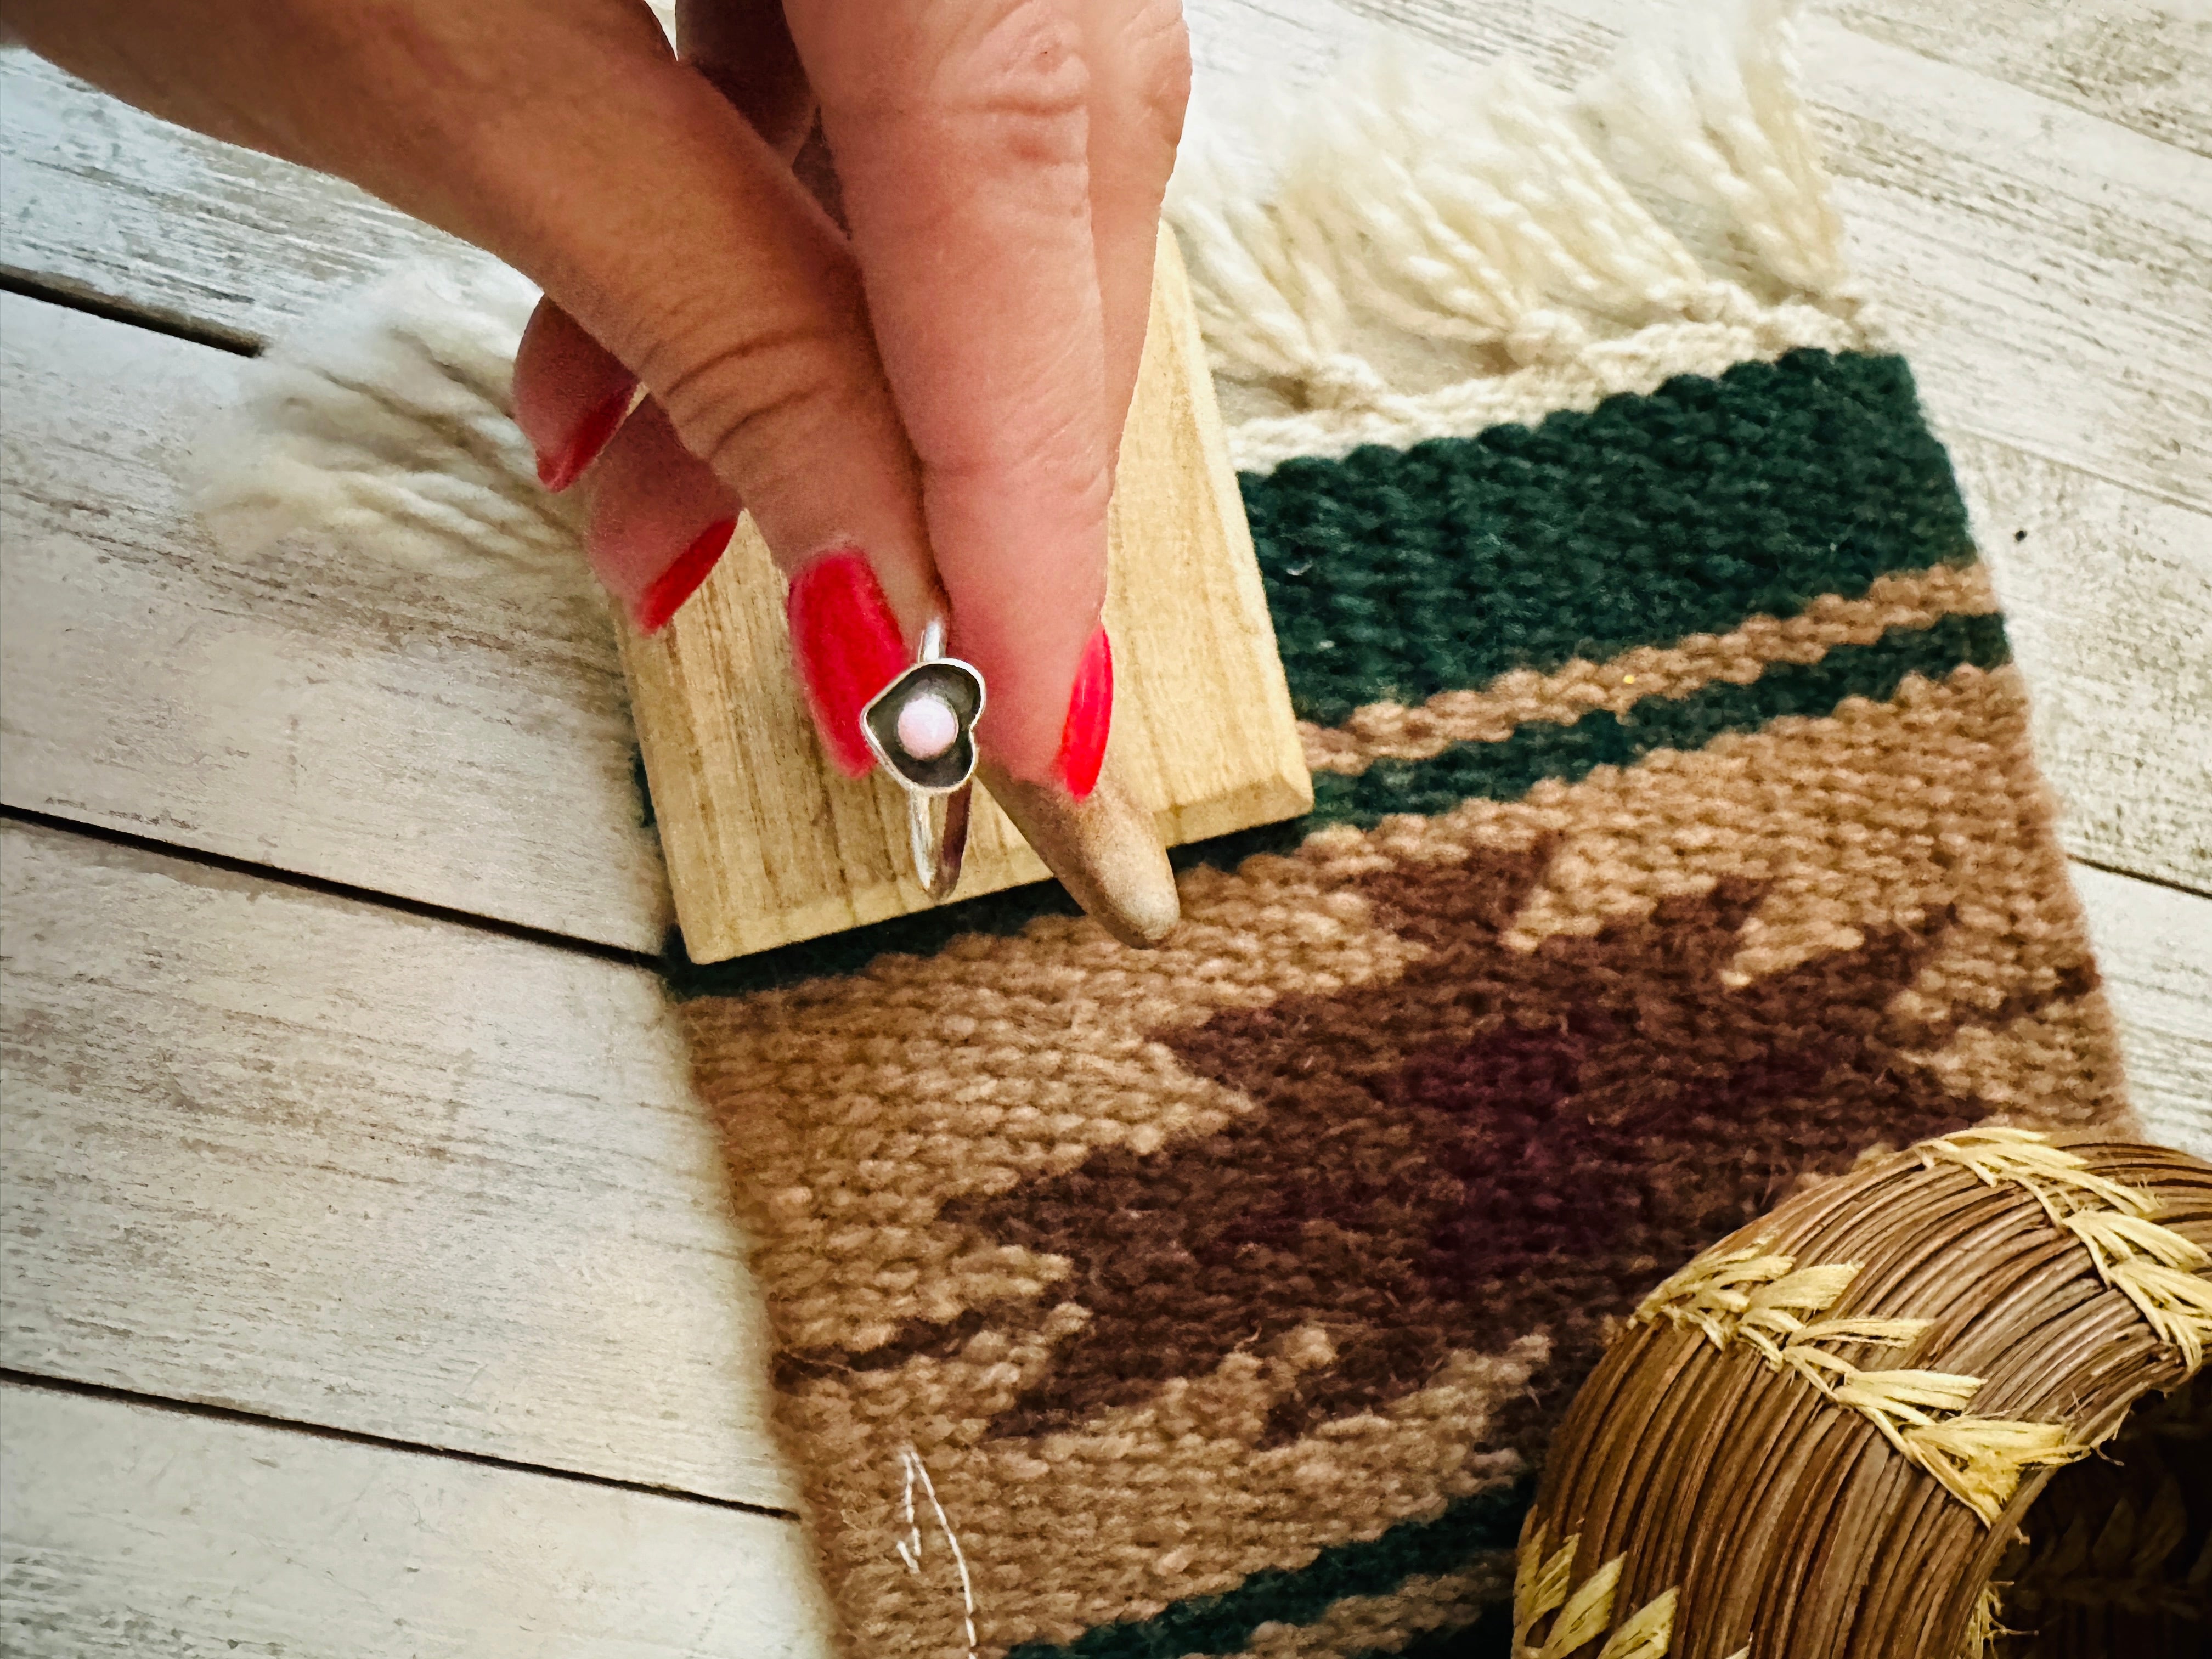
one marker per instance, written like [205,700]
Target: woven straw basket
[1864,1425]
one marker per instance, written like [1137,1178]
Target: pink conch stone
[927,727]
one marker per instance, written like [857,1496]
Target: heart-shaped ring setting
[922,728]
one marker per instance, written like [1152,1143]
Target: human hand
[922,416]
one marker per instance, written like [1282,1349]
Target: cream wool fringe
[1494,215]
[385,426]
[1484,224]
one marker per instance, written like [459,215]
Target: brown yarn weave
[1675,843]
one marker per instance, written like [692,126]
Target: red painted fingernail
[557,471]
[1090,714]
[848,647]
[680,579]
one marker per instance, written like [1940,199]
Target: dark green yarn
[1508,770]
[1490,1636]
[1393,574]
[1225,1622]
[923,933]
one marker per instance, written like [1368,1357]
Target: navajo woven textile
[1676,842]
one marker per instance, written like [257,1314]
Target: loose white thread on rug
[909,1547]
[1493,216]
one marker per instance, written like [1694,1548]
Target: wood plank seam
[2167,881]
[12,1376]
[16,280]
[498,926]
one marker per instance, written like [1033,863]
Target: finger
[671,232]
[570,394]
[660,519]
[960,134]
[1138,55]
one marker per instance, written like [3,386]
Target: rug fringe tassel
[1492,211]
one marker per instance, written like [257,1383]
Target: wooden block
[767,844]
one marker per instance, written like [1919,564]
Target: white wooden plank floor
[371,1283]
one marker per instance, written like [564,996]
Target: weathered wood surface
[2091,573]
[766,843]
[437,741]
[130,1530]
[107,204]
[2154,947]
[2144,63]
[322,1161]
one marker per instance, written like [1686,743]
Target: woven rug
[1676,842]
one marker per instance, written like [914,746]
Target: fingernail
[561,468]
[1090,716]
[680,579]
[1105,849]
[848,647]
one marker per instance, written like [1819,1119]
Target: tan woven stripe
[1880,814]
[857,1107]
[1019,1055]
[1003,1057]
[1173,1499]
[996,1059]
[1362,1624]
[2055,1066]
[1392,731]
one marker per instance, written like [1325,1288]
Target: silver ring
[921,726]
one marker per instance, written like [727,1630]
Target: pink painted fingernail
[661,601]
[1090,716]
[561,468]
[849,647]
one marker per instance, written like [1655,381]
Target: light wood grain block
[325,1162]
[128,1531]
[766,843]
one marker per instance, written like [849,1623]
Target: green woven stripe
[1492,771]
[1490,1636]
[1393,574]
[1225,1622]
[1507,770]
